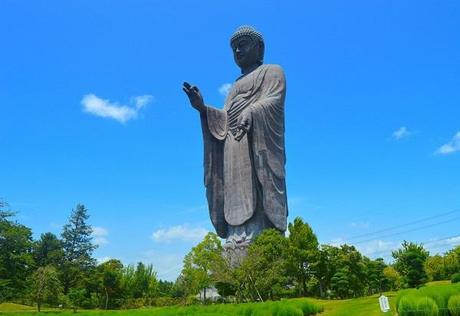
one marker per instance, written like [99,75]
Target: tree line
[62,271]
[297,265]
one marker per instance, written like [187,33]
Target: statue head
[247,46]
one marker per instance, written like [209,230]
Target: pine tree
[78,247]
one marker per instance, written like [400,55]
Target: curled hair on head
[247,30]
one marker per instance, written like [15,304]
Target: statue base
[235,253]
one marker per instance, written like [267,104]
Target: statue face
[246,51]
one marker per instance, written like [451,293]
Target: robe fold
[242,177]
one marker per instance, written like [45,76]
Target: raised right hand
[194,96]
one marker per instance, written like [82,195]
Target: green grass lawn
[365,306]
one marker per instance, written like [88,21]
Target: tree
[327,267]
[302,253]
[393,277]
[110,273]
[435,268]
[410,262]
[350,275]
[78,247]
[376,280]
[200,265]
[15,255]
[263,272]
[340,283]
[48,251]
[46,286]
[77,296]
[165,288]
[452,262]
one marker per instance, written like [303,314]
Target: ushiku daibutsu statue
[244,152]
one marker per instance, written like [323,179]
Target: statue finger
[187,85]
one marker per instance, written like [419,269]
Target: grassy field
[365,306]
[297,307]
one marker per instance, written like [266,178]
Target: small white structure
[384,304]
[211,294]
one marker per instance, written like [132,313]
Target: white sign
[384,304]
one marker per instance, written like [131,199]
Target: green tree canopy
[15,255]
[46,286]
[48,250]
[302,253]
[410,263]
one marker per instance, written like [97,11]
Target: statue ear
[261,52]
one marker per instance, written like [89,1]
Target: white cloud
[119,112]
[401,133]
[378,248]
[455,241]
[225,89]
[450,147]
[100,236]
[141,101]
[180,232]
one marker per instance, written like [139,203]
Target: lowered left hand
[244,124]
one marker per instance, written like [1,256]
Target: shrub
[415,305]
[404,293]
[440,294]
[454,305]
[455,278]
[406,304]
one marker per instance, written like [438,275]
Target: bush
[440,294]
[454,305]
[415,305]
[455,278]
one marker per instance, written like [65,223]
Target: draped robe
[247,176]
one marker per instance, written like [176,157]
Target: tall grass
[301,307]
[454,305]
[439,294]
[415,305]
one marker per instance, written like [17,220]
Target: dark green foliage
[410,263]
[264,268]
[455,278]
[48,251]
[302,254]
[46,286]
[77,297]
[110,274]
[78,249]
[15,255]
[377,282]
[77,239]
[350,275]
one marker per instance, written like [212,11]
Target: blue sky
[92,111]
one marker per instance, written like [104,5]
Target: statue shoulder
[274,71]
